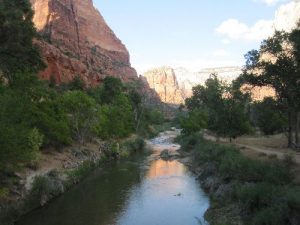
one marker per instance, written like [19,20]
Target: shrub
[82,114]
[135,145]
[3,192]
[83,170]
[44,188]
[267,203]
[194,122]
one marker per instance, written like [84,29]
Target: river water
[144,190]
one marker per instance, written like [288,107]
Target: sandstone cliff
[163,80]
[175,85]
[77,41]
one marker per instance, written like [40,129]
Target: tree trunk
[290,130]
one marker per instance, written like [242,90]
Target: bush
[238,167]
[194,122]
[269,117]
[134,145]
[263,188]
[268,203]
[115,120]
[3,192]
[188,142]
[82,171]
[82,114]
[45,188]
[233,165]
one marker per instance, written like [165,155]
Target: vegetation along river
[144,190]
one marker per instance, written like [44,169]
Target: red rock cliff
[77,41]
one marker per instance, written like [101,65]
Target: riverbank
[143,189]
[242,190]
[57,171]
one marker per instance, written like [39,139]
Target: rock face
[175,85]
[163,80]
[77,41]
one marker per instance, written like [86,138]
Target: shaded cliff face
[175,85]
[77,41]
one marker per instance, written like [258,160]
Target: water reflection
[128,193]
[169,195]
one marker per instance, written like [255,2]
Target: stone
[169,155]
[77,41]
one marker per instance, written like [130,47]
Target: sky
[195,34]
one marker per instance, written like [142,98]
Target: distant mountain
[175,85]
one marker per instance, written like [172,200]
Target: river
[143,190]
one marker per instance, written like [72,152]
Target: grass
[4,192]
[263,188]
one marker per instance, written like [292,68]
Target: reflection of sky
[155,201]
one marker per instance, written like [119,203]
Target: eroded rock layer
[77,41]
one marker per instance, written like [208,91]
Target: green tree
[76,84]
[52,121]
[116,119]
[269,116]
[82,114]
[225,105]
[111,88]
[275,65]
[19,141]
[194,122]
[17,52]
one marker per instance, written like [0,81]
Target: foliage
[3,192]
[134,145]
[269,116]
[225,105]
[19,141]
[82,171]
[50,118]
[268,203]
[76,84]
[279,70]
[17,53]
[263,188]
[194,122]
[82,114]
[116,119]
[111,88]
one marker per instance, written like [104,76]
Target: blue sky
[190,33]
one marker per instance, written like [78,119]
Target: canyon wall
[77,41]
[175,85]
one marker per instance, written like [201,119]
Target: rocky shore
[216,188]
[55,173]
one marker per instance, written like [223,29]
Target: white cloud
[269,2]
[236,30]
[286,18]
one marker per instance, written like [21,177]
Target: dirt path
[279,154]
[271,147]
